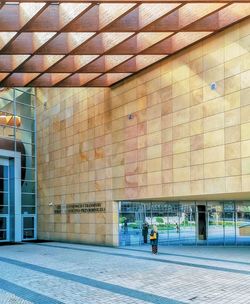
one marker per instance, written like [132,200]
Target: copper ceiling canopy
[98,43]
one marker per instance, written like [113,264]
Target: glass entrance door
[4,200]
[28,227]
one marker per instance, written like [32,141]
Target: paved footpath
[53,273]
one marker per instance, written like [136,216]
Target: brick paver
[72,273]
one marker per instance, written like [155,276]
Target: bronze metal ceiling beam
[122,1]
[85,43]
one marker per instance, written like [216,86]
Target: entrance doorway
[4,200]
[202,222]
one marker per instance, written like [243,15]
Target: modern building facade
[169,145]
[143,114]
[17,165]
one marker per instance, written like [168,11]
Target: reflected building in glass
[17,165]
[187,222]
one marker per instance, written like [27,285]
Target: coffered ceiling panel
[75,43]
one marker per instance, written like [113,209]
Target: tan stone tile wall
[161,134]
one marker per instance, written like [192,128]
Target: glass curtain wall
[186,222]
[17,133]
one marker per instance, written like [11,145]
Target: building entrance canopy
[99,43]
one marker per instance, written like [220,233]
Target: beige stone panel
[197,172]
[196,97]
[182,188]
[245,114]
[154,111]
[153,85]
[180,88]
[154,164]
[118,171]
[233,167]
[213,59]
[245,165]
[233,50]
[233,184]
[196,82]
[232,151]
[215,185]
[214,154]
[196,66]
[232,134]
[181,102]
[196,112]
[213,107]
[167,121]
[245,62]
[214,138]
[215,74]
[245,148]
[196,127]
[180,73]
[232,84]
[245,79]
[142,179]
[154,125]
[181,160]
[181,117]
[233,67]
[154,138]
[197,187]
[154,191]
[118,182]
[167,162]
[245,183]
[214,122]
[181,174]
[244,28]
[197,157]
[167,135]
[154,178]
[232,117]
[154,152]
[154,98]
[209,94]
[167,190]
[181,145]
[118,124]
[232,101]
[244,97]
[167,176]
[197,142]
[166,79]
[142,142]
[167,107]
[181,131]
[245,131]
[195,52]
[118,112]
[214,170]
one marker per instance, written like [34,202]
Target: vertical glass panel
[187,223]
[130,223]
[160,219]
[7,93]
[174,221]
[28,222]
[28,199]
[24,110]
[3,209]
[229,223]
[243,223]
[25,97]
[28,234]
[3,171]
[3,235]
[3,223]
[215,233]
